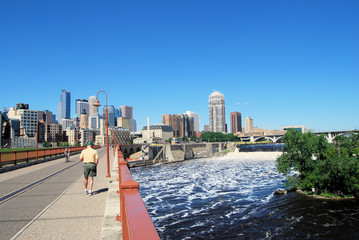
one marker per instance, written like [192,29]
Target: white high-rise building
[68,123]
[82,106]
[196,121]
[248,124]
[95,121]
[92,109]
[217,116]
[28,120]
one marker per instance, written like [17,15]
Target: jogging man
[90,158]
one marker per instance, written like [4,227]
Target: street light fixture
[97,104]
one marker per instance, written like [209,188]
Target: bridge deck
[72,215]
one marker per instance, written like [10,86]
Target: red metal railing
[136,222]
[14,157]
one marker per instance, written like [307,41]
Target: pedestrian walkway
[74,215]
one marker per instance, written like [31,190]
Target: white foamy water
[206,195]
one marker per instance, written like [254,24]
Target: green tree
[231,137]
[206,136]
[329,168]
[218,137]
[193,138]
[46,144]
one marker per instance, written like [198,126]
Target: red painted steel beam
[125,173]
[136,222]
[139,223]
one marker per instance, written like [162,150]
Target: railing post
[125,224]
[136,222]
[119,154]
[27,155]
[14,157]
[121,162]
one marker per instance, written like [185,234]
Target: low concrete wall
[176,152]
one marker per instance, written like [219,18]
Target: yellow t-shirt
[89,155]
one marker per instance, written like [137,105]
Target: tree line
[211,137]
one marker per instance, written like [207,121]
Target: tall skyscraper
[46,116]
[95,121]
[64,107]
[84,119]
[196,122]
[111,115]
[82,106]
[181,124]
[117,112]
[124,122]
[133,125]
[236,122]
[126,111]
[92,109]
[217,119]
[248,124]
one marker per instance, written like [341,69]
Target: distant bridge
[148,151]
[129,149]
[330,136]
[333,134]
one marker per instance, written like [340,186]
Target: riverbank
[251,156]
[299,191]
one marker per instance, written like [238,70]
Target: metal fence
[136,222]
[14,157]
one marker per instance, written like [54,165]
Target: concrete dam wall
[176,152]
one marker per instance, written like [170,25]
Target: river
[229,198]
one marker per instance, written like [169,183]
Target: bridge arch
[274,139]
[128,150]
[125,153]
[262,138]
[131,151]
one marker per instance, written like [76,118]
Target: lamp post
[36,140]
[115,142]
[97,104]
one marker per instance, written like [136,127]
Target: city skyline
[281,63]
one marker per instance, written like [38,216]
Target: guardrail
[136,222]
[14,157]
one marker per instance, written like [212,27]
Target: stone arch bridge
[129,149]
[330,136]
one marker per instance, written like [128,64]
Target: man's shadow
[100,191]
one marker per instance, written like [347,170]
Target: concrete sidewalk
[74,215]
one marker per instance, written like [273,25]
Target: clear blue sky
[280,62]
